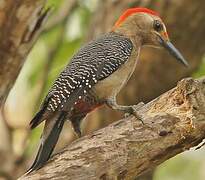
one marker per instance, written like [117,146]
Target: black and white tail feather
[48,141]
[51,130]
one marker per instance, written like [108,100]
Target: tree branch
[174,122]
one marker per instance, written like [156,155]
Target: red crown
[131,11]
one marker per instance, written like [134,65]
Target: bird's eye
[157,25]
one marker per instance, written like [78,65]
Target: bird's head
[145,27]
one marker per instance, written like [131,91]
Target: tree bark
[174,122]
[156,71]
[20,24]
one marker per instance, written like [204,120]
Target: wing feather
[93,62]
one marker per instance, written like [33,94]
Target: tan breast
[111,85]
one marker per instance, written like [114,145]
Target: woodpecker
[96,74]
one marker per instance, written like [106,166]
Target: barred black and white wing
[94,62]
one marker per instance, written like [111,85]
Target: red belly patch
[85,107]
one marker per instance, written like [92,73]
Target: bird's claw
[138,106]
[77,131]
[126,115]
[132,111]
[78,134]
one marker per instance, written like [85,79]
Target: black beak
[173,51]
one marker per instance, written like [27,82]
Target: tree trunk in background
[157,71]
[20,25]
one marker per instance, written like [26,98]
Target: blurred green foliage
[182,167]
[54,3]
[201,71]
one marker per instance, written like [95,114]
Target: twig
[62,14]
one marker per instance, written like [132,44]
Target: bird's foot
[78,133]
[128,110]
[132,110]
[77,129]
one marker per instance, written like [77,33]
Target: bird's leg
[128,110]
[76,125]
[76,128]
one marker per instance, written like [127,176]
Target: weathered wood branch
[174,122]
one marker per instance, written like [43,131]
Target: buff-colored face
[147,26]
[148,30]
[155,30]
